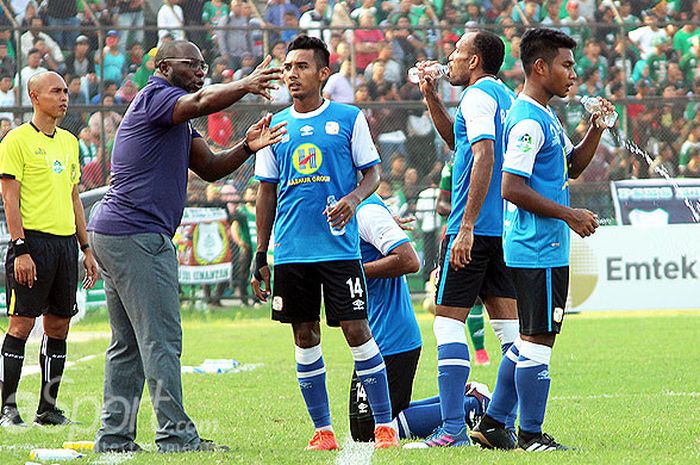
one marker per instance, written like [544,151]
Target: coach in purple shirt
[131,238]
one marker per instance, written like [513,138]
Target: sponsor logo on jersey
[307,130]
[307,158]
[332,127]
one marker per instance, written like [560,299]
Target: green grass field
[625,389]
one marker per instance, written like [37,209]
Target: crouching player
[387,256]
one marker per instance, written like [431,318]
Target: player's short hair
[490,49]
[542,43]
[304,42]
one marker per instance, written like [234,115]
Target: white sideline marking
[35,370]
[112,459]
[355,453]
[623,396]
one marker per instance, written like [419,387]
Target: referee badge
[558,314]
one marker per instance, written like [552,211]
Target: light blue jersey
[482,112]
[389,309]
[538,149]
[319,156]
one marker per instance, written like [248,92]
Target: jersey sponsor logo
[277,303]
[307,130]
[332,127]
[307,158]
[524,143]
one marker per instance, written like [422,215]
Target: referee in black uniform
[40,171]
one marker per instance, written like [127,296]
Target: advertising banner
[656,202]
[636,268]
[203,246]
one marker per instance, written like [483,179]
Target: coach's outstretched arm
[212,166]
[265,208]
[516,190]
[438,112]
[217,97]
[585,150]
[344,210]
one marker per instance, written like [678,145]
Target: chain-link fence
[643,56]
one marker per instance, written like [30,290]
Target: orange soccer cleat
[323,440]
[385,437]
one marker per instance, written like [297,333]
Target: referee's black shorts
[400,371]
[56,260]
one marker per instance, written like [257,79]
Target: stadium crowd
[643,55]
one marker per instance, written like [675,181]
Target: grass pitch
[625,389]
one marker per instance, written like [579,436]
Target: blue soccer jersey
[482,112]
[318,157]
[537,149]
[389,309]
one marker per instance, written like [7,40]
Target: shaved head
[49,95]
[42,81]
[181,64]
[177,49]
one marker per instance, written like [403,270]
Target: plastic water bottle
[330,203]
[47,455]
[437,70]
[594,105]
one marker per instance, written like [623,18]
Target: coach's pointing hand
[261,80]
[582,221]
[260,135]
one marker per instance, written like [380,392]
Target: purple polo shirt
[150,160]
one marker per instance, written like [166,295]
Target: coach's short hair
[304,42]
[490,49]
[542,43]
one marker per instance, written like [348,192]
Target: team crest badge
[277,303]
[332,128]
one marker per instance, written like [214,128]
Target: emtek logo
[620,270]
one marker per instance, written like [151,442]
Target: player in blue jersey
[471,263]
[538,162]
[387,256]
[309,189]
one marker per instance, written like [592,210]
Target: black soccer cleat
[10,417]
[490,434]
[53,417]
[542,442]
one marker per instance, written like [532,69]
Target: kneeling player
[387,256]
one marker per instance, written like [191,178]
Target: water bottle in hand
[436,70]
[330,203]
[594,105]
